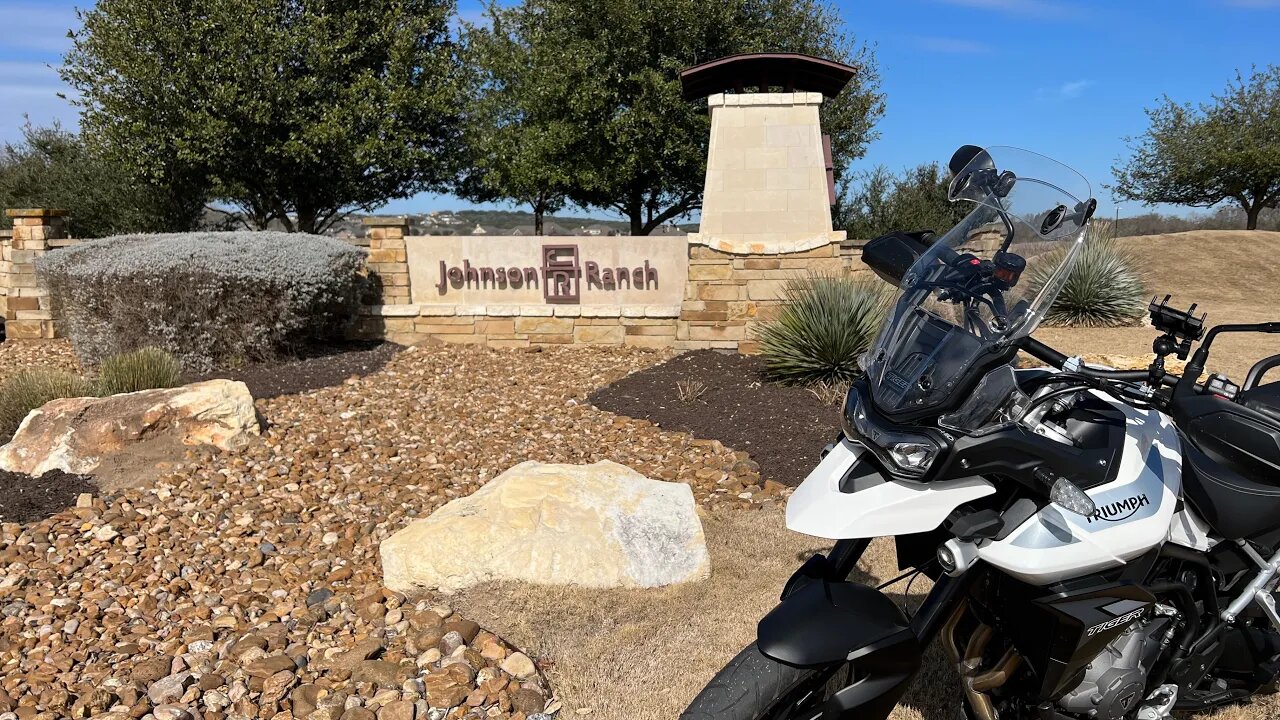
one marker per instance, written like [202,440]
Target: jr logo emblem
[1119,510]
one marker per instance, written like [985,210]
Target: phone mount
[1178,330]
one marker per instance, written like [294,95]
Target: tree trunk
[539,213]
[306,220]
[1252,213]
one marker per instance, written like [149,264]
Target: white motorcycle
[1103,544]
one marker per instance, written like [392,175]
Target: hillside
[1234,275]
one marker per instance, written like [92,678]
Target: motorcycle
[1103,544]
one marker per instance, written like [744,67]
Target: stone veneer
[768,185]
[726,295]
[388,259]
[26,305]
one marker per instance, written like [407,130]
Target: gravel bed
[784,428]
[17,355]
[249,585]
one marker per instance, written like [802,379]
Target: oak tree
[601,100]
[292,110]
[1227,150]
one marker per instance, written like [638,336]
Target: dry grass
[644,654]
[1234,275]
[690,390]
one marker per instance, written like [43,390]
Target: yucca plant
[825,323]
[28,389]
[1105,287]
[144,369]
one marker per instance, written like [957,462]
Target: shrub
[882,202]
[824,325]
[144,369]
[1104,288]
[28,389]
[209,299]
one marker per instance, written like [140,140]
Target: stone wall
[727,295]
[26,306]
[724,296]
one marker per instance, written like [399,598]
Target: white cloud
[1073,89]
[36,26]
[950,46]
[1031,8]
[1066,91]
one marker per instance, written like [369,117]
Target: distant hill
[463,222]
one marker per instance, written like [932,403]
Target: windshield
[985,283]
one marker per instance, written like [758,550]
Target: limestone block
[601,525]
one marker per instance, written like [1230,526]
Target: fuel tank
[1134,511]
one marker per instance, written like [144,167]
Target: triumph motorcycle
[1103,544]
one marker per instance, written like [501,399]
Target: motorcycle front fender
[823,623]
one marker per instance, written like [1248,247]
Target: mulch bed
[784,428]
[24,498]
[319,368]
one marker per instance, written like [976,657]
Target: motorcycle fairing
[1135,512]
[876,506]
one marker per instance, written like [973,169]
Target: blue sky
[1067,78]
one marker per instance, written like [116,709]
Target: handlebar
[1046,354]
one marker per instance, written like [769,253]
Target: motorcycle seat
[1264,399]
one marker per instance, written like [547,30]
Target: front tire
[755,687]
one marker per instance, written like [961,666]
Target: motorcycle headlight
[911,453]
[913,456]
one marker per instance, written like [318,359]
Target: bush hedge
[211,299]
[824,325]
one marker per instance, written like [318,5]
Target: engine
[1115,681]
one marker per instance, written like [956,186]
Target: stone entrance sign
[536,271]
[766,219]
[769,184]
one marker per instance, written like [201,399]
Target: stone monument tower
[769,186]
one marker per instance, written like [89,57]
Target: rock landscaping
[602,525]
[79,435]
[248,584]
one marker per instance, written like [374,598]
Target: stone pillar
[27,310]
[388,261]
[767,187]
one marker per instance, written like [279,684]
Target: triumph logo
[1119,510]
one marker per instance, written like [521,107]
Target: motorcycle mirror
[962,157]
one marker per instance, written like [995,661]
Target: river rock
[75,434]
[601,525]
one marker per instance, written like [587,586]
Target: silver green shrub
[211,299]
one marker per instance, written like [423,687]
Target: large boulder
[76,435]
[601,525]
